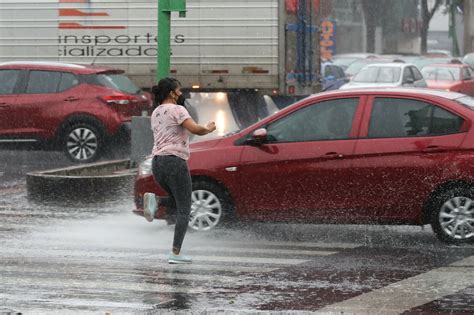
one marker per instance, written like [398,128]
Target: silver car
[387,75]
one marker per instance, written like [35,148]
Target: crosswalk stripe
[321,245]
[227,244]
[130,274]
[247,260]
[268,251]
[209,249]
[130,255]
[404,295]
[35,282]
[48,305]
[66,262]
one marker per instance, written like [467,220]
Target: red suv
[74,106]
[386,156]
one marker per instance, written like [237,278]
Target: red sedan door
[404,155]
[304,170]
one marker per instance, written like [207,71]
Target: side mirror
[409,81]
[259,136]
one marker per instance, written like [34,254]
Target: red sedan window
[395,118]
[327,120]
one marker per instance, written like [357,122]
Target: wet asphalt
[99,258]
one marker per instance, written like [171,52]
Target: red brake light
[117,99]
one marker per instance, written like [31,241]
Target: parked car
[333,76]
[438,53]
[75,107]
[345,60]
[357,65]
[422,62]
[451,77]
[382,156]
[387,75]
[469,59]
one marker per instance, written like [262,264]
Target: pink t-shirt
[170,138]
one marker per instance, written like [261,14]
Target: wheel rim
[206,210]
[82,143]
[456,218]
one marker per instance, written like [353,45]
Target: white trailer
[219,45]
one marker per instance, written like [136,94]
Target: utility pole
[165,7]
[467,27]
[452,29]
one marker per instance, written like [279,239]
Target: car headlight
[145,167]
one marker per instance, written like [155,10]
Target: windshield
[344,61]
[378,75]
[441,73]
[356,66]
[423,62]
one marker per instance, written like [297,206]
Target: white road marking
[321,245]
[68,273]
[87,254]
[117,263]
[83,284]
[404,295]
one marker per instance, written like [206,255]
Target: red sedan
[450,77]
[385,156]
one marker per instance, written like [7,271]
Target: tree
[428,9]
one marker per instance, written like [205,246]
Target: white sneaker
[150,205]
[179,259]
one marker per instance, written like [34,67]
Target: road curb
[89,182]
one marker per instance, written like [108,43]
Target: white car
[387,75]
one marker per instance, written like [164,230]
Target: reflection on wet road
[100,258]
[97,258]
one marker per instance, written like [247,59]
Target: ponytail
[164,88]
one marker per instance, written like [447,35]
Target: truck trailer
[245,49]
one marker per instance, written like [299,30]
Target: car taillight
[116,99]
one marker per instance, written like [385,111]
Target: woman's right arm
[197,129]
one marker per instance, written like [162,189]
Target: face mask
[181,99]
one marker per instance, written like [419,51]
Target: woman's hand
[211,126]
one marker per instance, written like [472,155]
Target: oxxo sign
[328,39]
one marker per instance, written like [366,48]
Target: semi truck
[245,49]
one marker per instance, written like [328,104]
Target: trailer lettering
[99,45]
[86,39]
[102,39]
[126,41]
[102,52]
[179,39]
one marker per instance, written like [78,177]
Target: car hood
[204,145]
[356,85]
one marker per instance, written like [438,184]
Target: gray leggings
[172,174]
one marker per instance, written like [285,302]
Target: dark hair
[163,89]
